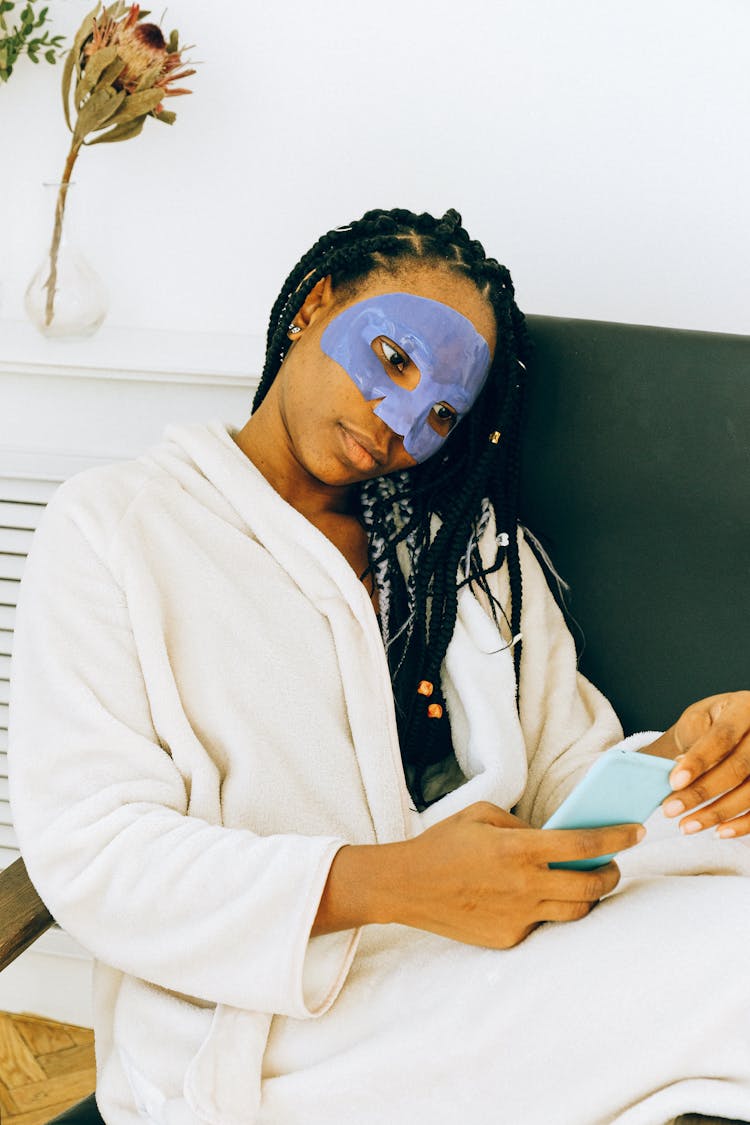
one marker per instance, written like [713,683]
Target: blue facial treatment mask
[453,361]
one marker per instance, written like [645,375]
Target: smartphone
[622,787]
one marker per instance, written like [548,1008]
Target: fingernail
[691,826]
[677,780]
[725,833]
[673,808]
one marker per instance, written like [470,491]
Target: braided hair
[475,471]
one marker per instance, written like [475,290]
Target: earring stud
[294,329]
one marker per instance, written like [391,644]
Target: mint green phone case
[622,787]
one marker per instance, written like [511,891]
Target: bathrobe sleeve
[566,721]
[100,809]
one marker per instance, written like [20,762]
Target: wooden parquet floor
[44,1068]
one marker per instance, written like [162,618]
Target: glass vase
[66,296]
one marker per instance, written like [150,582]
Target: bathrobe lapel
[478,674]
[325,577]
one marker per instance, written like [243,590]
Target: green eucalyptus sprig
[117,73]
[21,38]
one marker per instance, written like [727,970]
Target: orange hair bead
[434,711]
[424,687]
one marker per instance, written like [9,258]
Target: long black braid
[478,464]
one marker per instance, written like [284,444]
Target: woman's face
[374,382]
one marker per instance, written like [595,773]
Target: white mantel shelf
[66,404]
[140,354]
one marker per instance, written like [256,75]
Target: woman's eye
[444,416]
[394,357]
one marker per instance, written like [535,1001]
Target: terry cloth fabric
[201,715]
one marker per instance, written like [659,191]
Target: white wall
[598,148]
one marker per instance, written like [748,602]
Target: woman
[290,679]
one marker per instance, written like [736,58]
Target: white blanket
[201,715]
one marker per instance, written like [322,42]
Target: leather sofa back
[636,478]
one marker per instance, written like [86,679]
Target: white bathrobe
[202,715]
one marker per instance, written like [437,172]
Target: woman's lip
[360,448]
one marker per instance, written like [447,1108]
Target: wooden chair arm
[23,915]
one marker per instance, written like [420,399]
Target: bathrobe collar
[480,693]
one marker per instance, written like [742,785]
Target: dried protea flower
[149,60]
[123,70]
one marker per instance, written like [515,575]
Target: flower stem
[51,283]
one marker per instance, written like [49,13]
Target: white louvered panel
[15,514]
[11,566]
[22,504]
[4,709]
[7,835]
[16,541]
[4,808]
[9,591]
[22,490]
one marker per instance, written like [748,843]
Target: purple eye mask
[452,358]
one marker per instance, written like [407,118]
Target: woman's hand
[481,876]
[711,744]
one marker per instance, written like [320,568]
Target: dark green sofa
[636,478]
